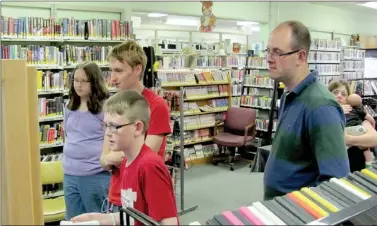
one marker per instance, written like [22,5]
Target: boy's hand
[102,218]
[114,158]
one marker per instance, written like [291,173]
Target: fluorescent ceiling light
[182,22]
[246,23]
[372,5]
[156,14]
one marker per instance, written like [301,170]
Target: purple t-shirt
[83,142]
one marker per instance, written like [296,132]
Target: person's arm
[326,133]
[159,126]
[110,158]
[371,120]
[159,195]
[365,141]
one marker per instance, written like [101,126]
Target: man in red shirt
[127,65]
[146,184]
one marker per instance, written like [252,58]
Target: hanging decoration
[208,20]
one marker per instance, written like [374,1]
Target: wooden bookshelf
[20,173]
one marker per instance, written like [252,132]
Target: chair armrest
[247,128]
[217,124]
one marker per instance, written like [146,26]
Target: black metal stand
[272,113]
[137,215]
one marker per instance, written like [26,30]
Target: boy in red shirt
[145,181]
[127,62]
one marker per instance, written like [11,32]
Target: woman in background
[341,90]
[85,182]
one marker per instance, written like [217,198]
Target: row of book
[236,89]
[199,121]
[191,77]
[370,87]
[235,61]
[48,81]
[68,28]
[183,61]
[326,69]
[262,124]
[193,137]
[206,91]
[325,80]
[324,57]
[263,102]
[257,62]
[199,151]
[236,101]
[256,91]
[174,61]
[51,133]
[212,105]
[353,54]
[209,61]
[237,75]
[353,65]
[50,106]
[258,81]
[351,75]
[65,55]
[326,44]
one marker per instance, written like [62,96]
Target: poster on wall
[208,19]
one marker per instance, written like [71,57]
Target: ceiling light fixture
[372,5]
[246,23]
[157,14]
[183,22]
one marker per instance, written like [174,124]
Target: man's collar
[311,78]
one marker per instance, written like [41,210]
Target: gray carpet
[216,188]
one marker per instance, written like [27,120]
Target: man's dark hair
[300,36]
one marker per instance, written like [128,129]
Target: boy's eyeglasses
[113,128]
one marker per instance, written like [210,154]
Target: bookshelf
[257,93]
[21,186]
[206,96]
[55,47]
[325,57]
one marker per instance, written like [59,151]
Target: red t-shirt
[146,186]
[159,125]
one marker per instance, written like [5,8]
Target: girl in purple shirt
[85,182]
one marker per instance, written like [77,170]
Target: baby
[354,121]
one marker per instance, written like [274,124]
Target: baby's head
[354,100]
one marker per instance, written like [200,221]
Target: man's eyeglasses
[277,54]
[114,128]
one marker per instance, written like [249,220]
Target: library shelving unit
[197,98]
[258,93]
[55,47]
[353,68]
[20,158]
[206,97]
[325,57]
